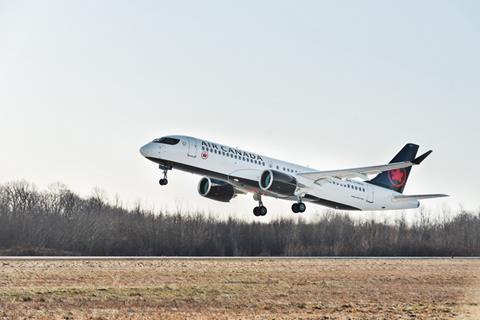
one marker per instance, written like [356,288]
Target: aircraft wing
[361,172]
[418,196]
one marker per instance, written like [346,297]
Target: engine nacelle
[216,189]
[278,182]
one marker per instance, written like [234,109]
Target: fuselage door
[370,194]
[192,148]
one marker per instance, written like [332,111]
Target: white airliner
[229,171]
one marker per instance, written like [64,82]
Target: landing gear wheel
[262,210]
[301,207]
[298,207]
[295,208]
[259,211]
[163,182]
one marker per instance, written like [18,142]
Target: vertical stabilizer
[396,179]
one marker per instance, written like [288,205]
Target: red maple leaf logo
[397,177]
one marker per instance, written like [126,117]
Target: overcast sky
[83,84]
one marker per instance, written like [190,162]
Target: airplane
[228,172]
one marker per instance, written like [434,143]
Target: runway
[239,287]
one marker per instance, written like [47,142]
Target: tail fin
[396,179]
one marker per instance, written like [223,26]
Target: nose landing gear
[164,180]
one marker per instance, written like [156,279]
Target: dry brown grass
[242,289]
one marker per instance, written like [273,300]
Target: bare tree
[58,221]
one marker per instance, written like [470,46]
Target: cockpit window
[167,140]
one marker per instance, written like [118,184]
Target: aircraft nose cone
[144,150]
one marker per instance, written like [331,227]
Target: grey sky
[83,84]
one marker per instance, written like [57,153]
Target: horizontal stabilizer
[419,196]
[419,160]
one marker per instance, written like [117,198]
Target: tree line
[61,222]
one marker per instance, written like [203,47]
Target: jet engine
[278,182]
[216,189]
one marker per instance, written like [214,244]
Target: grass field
[242,289]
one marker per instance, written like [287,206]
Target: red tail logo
[397,177]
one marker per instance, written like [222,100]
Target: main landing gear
[164,180]
[298,207]
[261,210]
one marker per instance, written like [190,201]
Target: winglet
[419,159]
